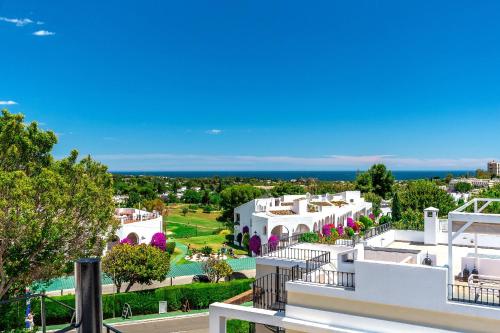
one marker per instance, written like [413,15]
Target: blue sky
[258,85]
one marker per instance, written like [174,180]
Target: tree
[155,204]
[421,194]
[133,264]
[205,199]
[234,196]
[377,179]
[191,196]
[463,187]
[52,212]
[374,199]
[396,208]
[216,269]
[185,210]
[287,188]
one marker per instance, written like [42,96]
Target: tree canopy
[421,194]
[287,188]
[234,196]
[133,264]
[51,212]
[377,179]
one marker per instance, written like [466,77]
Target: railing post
[88,295]
[42,313]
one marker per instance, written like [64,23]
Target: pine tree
[396,208]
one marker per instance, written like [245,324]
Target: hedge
[199,295]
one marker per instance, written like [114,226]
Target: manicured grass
[192,224]
[214,241]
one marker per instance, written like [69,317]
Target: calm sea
[287,175]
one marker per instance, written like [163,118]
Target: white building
[389,281]
[138,225]
[295,214]
[475,182]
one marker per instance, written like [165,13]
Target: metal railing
[269,292]
[377,230]
[475,295]
[327,277]
[267,249]
[316,262]
[296,253]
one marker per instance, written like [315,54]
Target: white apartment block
[295,214]
[475,182]
[494,168]
[138,225]
[443,279]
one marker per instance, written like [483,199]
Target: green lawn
[214,241]
[192,225]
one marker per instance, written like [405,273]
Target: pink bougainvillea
[127,240]
[254,244]
[350,222]
[327,229]
[246,229]
[372,217]
[273,242]
[340,229]
[159,240]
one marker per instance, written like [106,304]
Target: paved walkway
[193,324]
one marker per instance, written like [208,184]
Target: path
[181,255]
[194,324]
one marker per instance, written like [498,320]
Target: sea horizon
[338,175]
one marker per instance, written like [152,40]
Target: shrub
[385,219]
[349,231]
[199,295]
[340,229]
[350,222]
[170,247]
[216,269]
[193,208]
[206,250]
[229,239]
[254,244]
[358,226]
[367,222]
[224,232]
[127,240]
[273,242]
[246,240]
[309,237]
[159,241]
[207,209]
[327,229]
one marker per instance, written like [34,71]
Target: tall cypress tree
[396,208]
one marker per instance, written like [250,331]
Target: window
[430,214]
[237,218]
[265,230]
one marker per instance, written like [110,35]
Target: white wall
[144,229]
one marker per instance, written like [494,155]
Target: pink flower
[254,244]
[372,217]
[340,229]
[350,222]
[273,242]
[127,240]
[159,240]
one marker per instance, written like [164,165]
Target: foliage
[159,240]
[385,219]
[367,222]
[287,188]
[234,196]
[396,209]
[239,238]
[410,220]
[184,211]
[340,229]
[483,174]
[155,204]
[127,240]
[237,326]
[199,295]
[493,192]
[463,187]
[349,231]
[254,244]
[206,250]
[246,240]
[420,194]
[273,242]
[374,199]
[309,237]
[246,229]
[216,269]
[170,247]
[191,196]
[326,230]
[52,212]
[135,264]
[377,179]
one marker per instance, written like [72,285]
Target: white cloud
[214,131]
[252,162]
[8,103]
[18,22]
[43,33]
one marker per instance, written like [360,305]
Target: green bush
[229,239]
[199,295]
[170,247]
[207,209]
[367,222]
[385,219]
[309,237]
[206,250]
[237,326]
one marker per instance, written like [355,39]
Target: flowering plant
[246,229]
[350,222]
[127,240]
[254,244]
[327,229]
[273,242]
[159,241]
[349,231]
[372,217]
[340,229]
